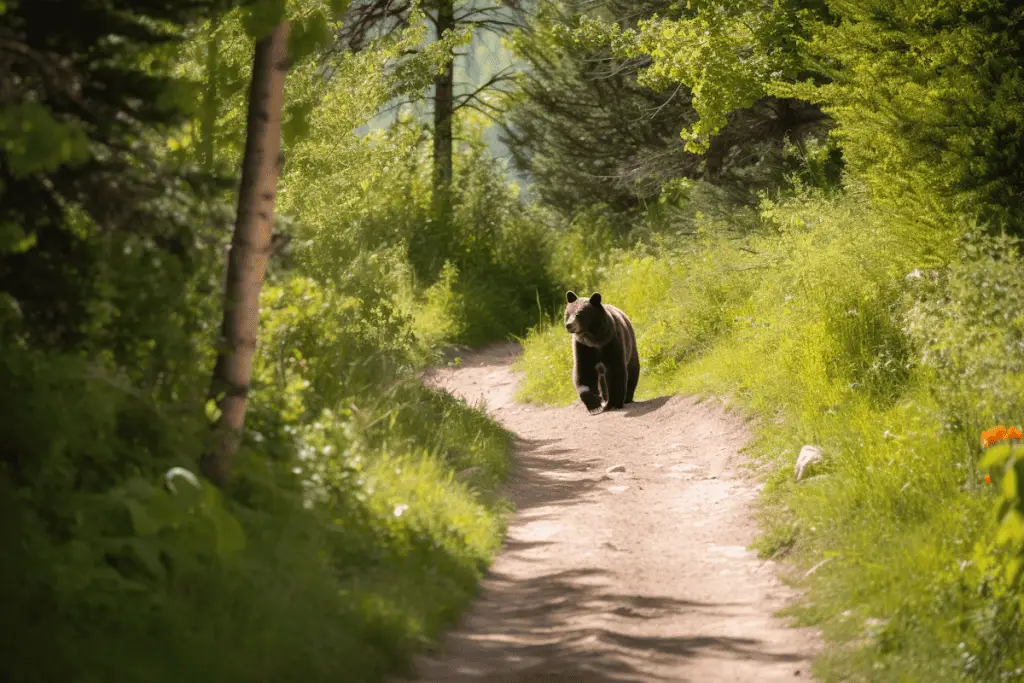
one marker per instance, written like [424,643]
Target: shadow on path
[641,408]
[567,627]
[546,477]
[620,583]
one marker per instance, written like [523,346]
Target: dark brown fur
[606,365]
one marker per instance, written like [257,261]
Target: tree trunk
[714,158]
[443,107]
[250,251]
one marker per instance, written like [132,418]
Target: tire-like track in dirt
[637,576]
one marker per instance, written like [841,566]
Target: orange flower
[988,479]
[1014,433]
[991,436]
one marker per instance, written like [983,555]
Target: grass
[352,561]
[815,329]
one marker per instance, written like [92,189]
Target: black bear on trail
[605,363]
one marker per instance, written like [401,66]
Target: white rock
[809,455]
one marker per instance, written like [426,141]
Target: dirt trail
[637,576]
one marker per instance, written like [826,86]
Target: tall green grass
[819,325]
[363,509]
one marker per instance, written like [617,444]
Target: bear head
[586,319]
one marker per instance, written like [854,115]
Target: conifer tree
[587,128]
[95,224]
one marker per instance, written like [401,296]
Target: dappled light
[485,340]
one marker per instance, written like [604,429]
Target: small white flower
[400,509]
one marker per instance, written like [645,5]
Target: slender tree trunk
[209,120]
[443,108]
[250,251]
[714,158]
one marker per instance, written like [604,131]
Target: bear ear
[595,298]
[570,296]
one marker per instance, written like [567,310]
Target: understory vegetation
[810,206]
[868,302]
[362,506]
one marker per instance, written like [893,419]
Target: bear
[605,361]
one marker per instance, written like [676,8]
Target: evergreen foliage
[588,128]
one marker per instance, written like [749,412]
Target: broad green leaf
[230,537]
[212,411]
[1013,567]
[33,140]
[995,457]
[296,124]
[1010,484]
[14,240]
[1012,529]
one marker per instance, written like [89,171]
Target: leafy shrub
[345,541]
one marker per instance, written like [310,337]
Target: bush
[328,569]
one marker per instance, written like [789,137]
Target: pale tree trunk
[443,108]
[250,251]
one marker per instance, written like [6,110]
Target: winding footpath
[626,559]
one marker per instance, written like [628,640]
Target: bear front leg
[602,384]
[585,376]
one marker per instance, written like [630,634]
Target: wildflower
[991,436]
[988,479]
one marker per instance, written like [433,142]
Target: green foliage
[83,195]
[33,140]
[820,322]
[1005,472]
[726,53]
[597,116]
[927,104]
[260,18]
[968,324]
[346,541]
[334,571]
[365,506]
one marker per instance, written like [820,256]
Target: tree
[250,250]
[380,17]
[589,129]
[928,106]
[89,206]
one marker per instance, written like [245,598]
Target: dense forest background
[811,206]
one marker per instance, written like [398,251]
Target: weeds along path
[639,575]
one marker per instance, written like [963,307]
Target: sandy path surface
[635,576]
